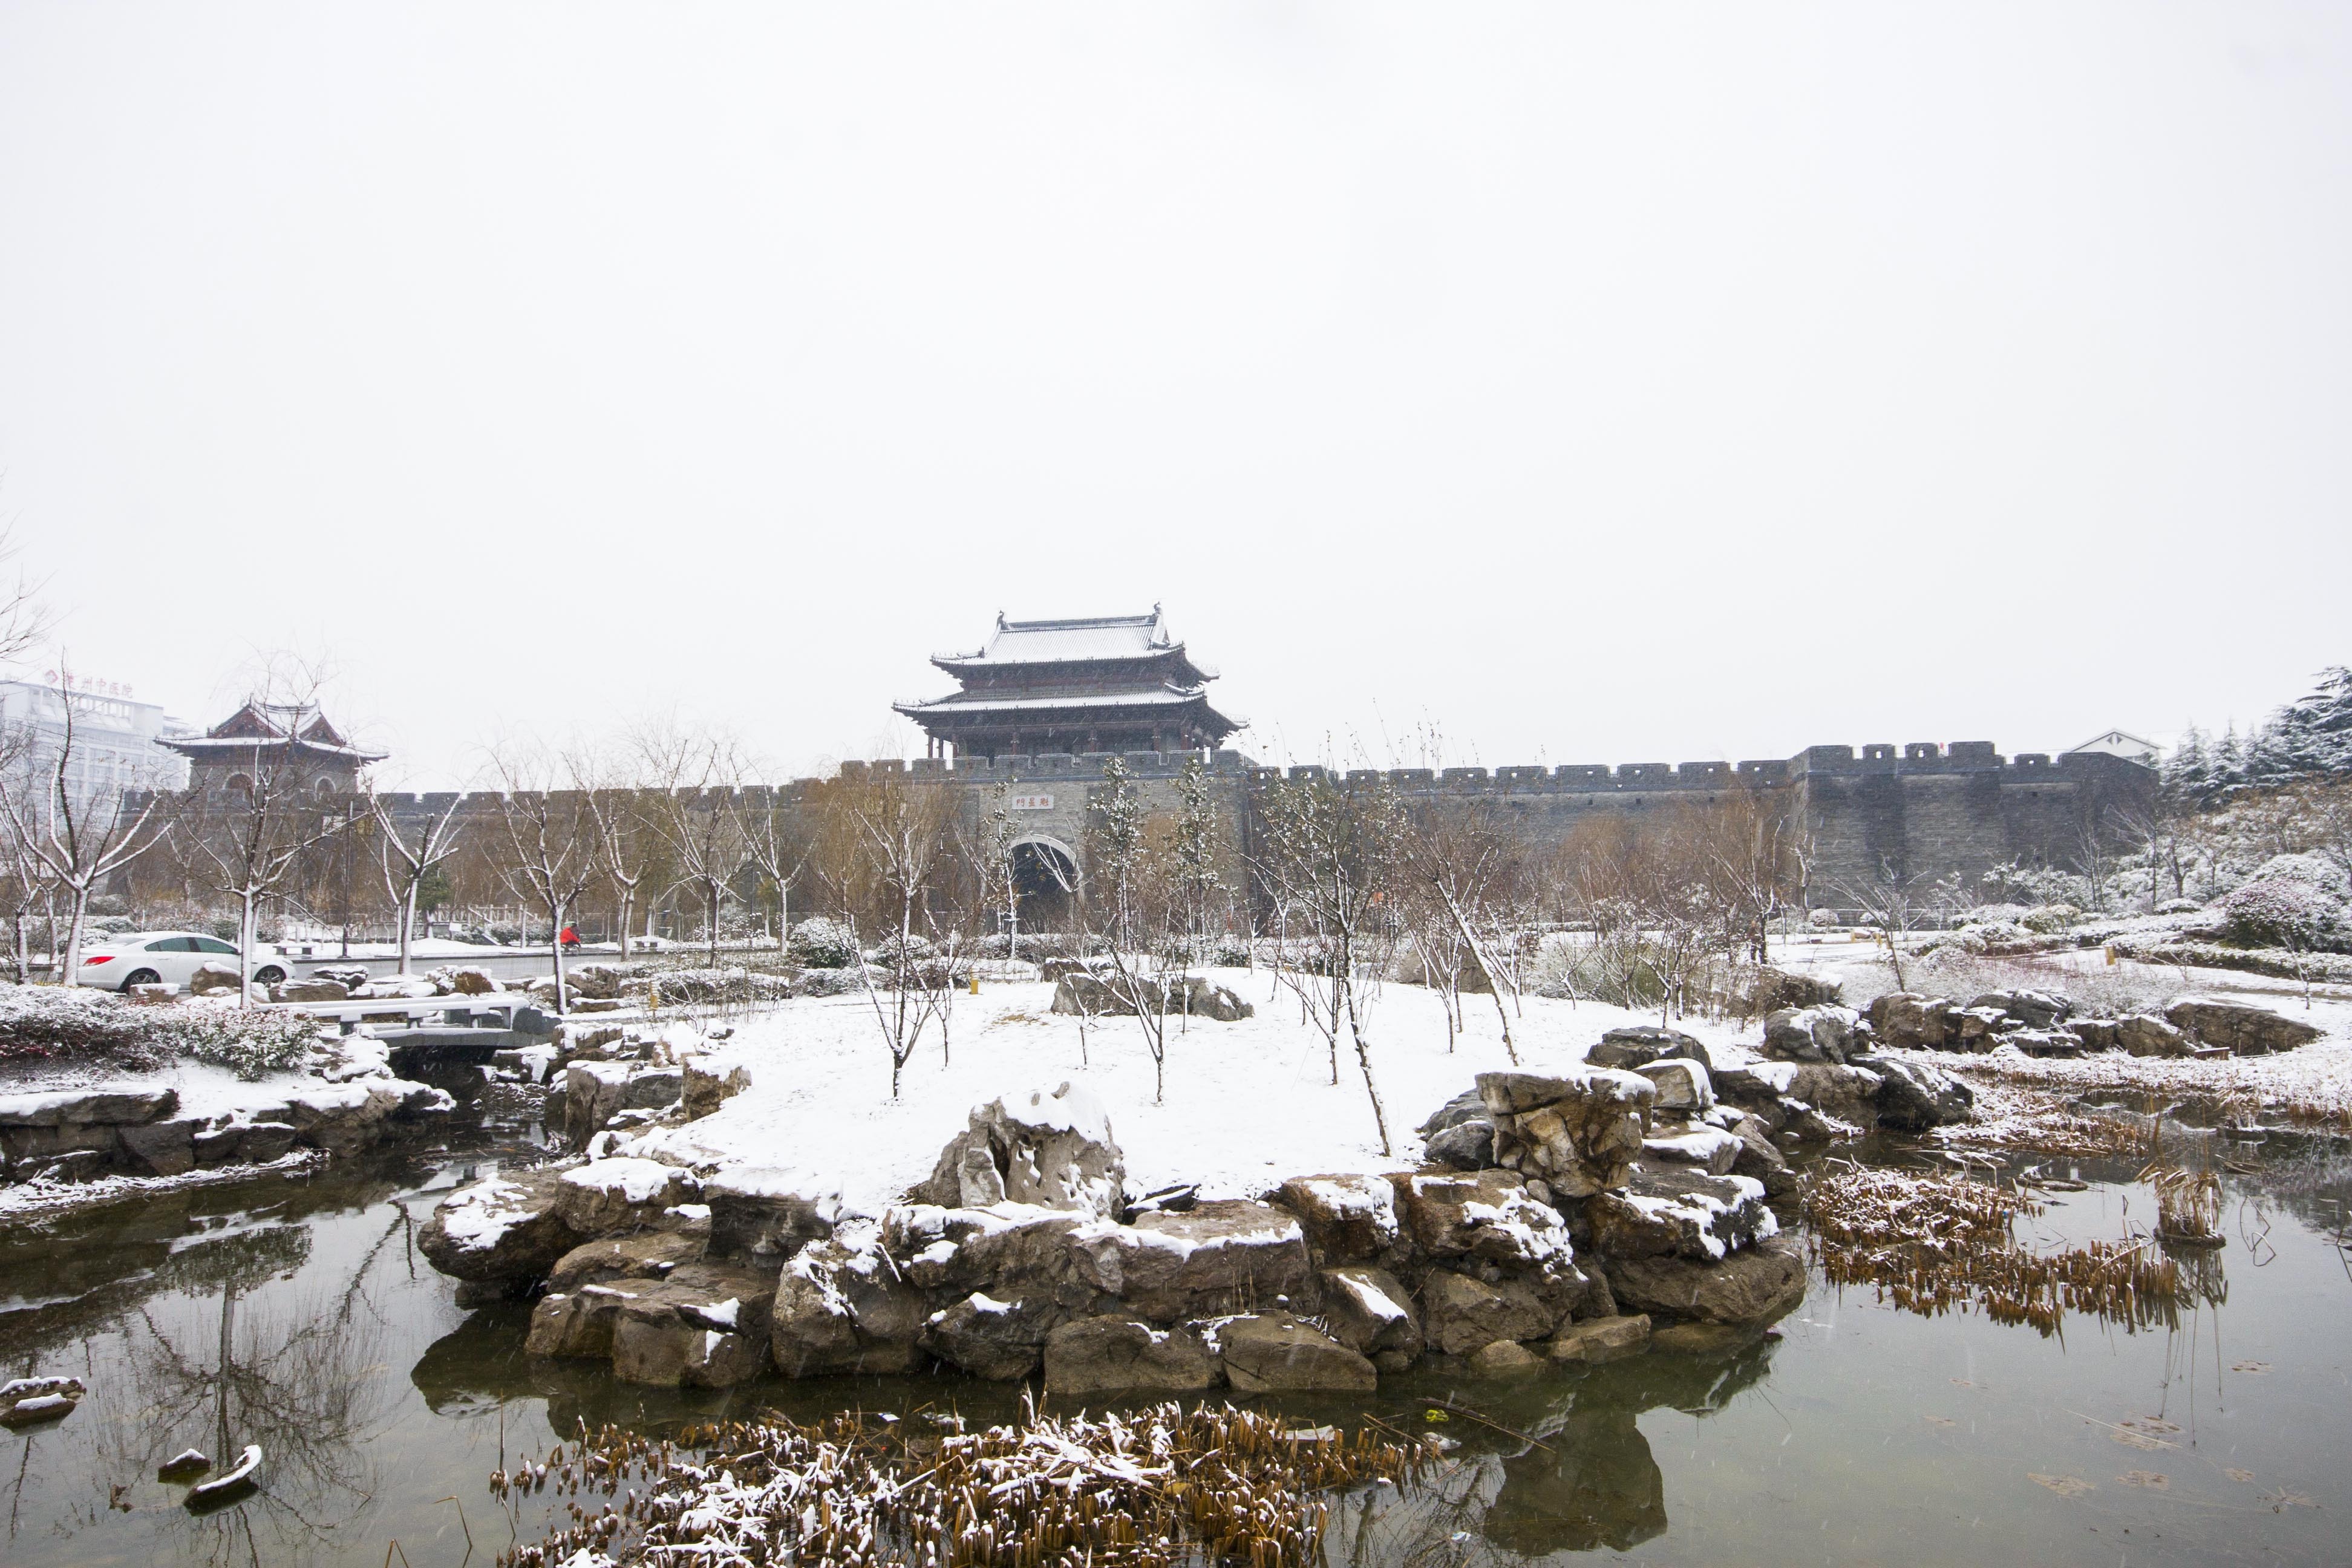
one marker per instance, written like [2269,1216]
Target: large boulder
[842,1307]
[2246,1031]
[607,1195]
[1007,1250]
[1484,1214]
[1367,1311]
[1202,998]
[1117,1354]
[2026,1009]
[1914,1096]
[1821,1034]
[1637,1046]
[1683,1084]
[1908,1021]
[1274,1352]
[1749,1288]
[578,1322]
[703,1088]
[2146,1034]
[213,978]
[1598,1341]
[646,1255]
[990,1338]
[596,1092]
[508,1230]
[1844,1094]
[1578,1132]
[313,988]
[1460,1314]
[1708,1147]
[705,1326]
[763,1213]
[1050,1150]
[1222,1257]
[1348,1219]
[1675,1211]
[1460,1133]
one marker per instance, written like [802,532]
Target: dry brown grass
[1151,1488]
[1936,1244]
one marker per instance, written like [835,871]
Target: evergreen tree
[2312,736]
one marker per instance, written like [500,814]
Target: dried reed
[2187,1205]
[1159,1486]
[1936,1244]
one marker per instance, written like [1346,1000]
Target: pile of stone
[37,1400]
[2042,1024]
[1022,1254]
[79,1134]
[606,1078]
[1660,1180]
[1081,990]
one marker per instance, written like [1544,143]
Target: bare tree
[405,859]
[1126,901]
[774,845]
[1891,901]
[1331,858]
[68,834]
[611,789]
[881,841]
[23,621]
[549,842]
[693,809]
[249,842]
[1463,864]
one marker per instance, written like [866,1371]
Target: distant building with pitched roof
[1104,683]
[2122,744]
[273,736]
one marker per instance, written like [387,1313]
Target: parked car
[165,957]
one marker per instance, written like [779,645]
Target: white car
[165,957]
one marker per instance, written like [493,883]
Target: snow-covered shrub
[1821,919]
[829,983]
[47,1021]
[2050,919]
[1991,914]
[2294,901]
[692,987]
[2179,907]
[111,925]
[1229,951]
[913,948]
[821,943]
[249,1043]
[59,1024]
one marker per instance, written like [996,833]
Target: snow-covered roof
[259,724]
[2118,743]
[1084,640]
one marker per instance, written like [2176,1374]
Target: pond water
[297,1314]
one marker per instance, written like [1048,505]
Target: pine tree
[2312,736]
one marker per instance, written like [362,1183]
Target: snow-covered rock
[1220,1257]
[1578,1130]
[1050,1149]
[1115,1353]
[1670,1210]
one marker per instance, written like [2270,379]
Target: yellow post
[975,980]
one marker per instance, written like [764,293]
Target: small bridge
[437,1030]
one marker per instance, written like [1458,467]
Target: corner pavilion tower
[1109,683]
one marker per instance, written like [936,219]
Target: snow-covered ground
[1248,1103]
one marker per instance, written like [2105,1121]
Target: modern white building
[116,741]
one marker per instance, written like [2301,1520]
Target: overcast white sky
[1613,383]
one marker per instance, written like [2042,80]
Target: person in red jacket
[570,939]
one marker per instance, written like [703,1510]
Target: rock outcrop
[2244,1030]
[1048,1149]
[1578,1132]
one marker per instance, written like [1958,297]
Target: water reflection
[295,1313]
